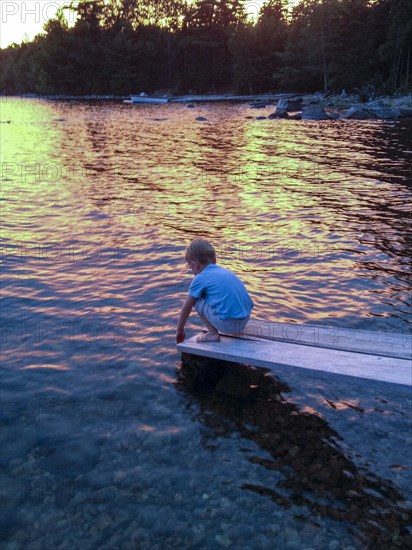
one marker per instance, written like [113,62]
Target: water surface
[99,202]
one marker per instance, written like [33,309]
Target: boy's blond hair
[201,251]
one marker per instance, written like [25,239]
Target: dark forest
[173,46]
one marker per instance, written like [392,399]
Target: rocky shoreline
[317,107]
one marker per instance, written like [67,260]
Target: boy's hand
[184,315]
[180,336]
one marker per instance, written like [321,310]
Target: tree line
[177,46]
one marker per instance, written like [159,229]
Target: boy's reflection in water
[315,472]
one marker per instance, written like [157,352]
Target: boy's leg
[234,326]
[206,313]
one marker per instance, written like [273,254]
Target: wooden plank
[280,357]
[385,344]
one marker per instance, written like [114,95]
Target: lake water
[108,443]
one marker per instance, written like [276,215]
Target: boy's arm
[183,317]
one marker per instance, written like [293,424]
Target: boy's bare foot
[209,337]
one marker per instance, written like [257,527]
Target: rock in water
[282,105]
[280,114]
[314,112]
[386,112]
[359,113]
[294,104]
[289,105]
[281,109]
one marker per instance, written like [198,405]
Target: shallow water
[103,439]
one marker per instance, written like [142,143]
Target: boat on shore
[143,98]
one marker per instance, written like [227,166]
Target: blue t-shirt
[223,291]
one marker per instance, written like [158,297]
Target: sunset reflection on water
[99,203]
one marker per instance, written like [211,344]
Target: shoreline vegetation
[116,47]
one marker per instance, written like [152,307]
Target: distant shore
[67,97]
[327,101]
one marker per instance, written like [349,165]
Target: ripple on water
[100,202]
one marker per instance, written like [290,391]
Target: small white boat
[143,98]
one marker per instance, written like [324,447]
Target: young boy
[219,296]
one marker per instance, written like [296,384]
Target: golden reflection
[46,366]
[146,428]
[173,429]
[306,409]
[342,405]
[166,378]
[302,211]
[151,429]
